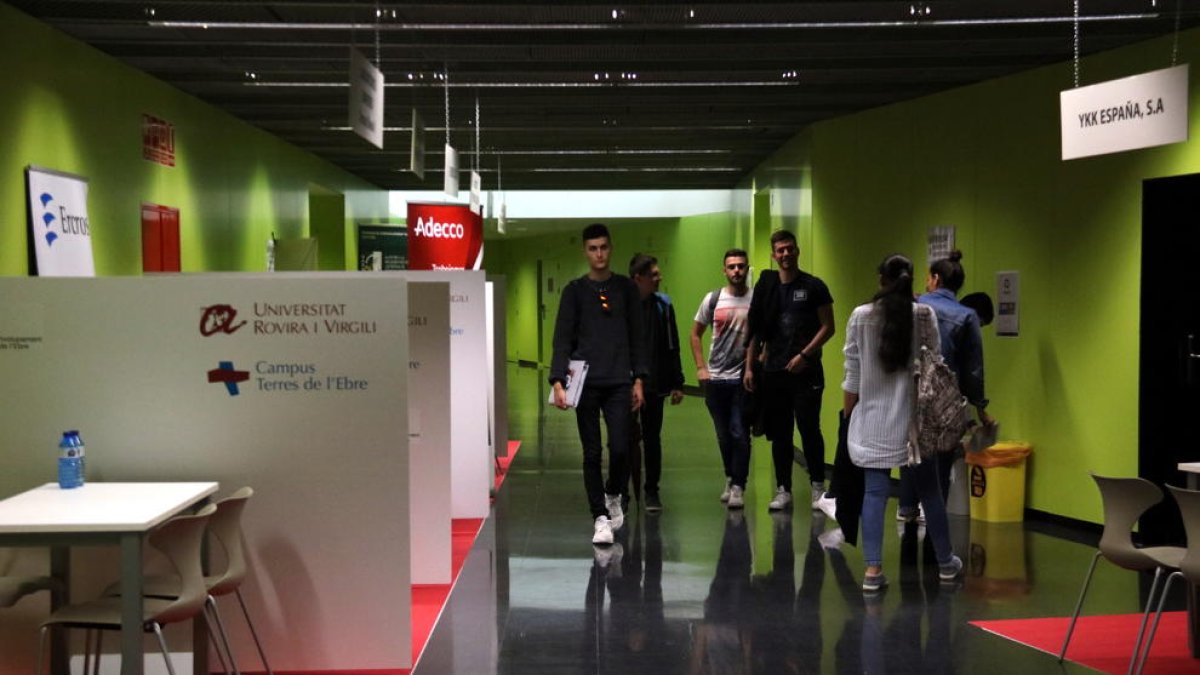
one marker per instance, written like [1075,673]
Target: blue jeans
[725,400]
[925,478]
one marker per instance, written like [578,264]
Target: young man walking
[727,310]
[665,372]
[599,322]
[791,318]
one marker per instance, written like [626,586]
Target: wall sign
[1126,114]
[158,140]
[940,243]
[58,223]
[382,247]
[444,237]
[1008,296]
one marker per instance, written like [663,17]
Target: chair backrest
[1189,508]
[180,539]
[226,528]
[1125,500]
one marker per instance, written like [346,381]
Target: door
[160,238]
[1169,390]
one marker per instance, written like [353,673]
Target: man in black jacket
[599,322]
[791,318]
[666,373]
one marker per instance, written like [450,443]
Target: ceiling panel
[584,94]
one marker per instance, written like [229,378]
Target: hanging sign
[58,223]
[444,237]
[476,189]
[450,181]
[366,99]
[416,154]
[1126,114]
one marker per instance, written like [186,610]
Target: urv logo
[225,374]
[47,217]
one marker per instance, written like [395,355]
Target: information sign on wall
[382,247]
[158,140]
[1008,296]
[366,99]
[444,237]
[58,223]
[1126,114]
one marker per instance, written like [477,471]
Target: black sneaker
[652,502]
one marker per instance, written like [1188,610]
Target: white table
[102,513]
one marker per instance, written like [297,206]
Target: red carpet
[428,600]
[1104,643]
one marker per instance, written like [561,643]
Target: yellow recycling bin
[997,482]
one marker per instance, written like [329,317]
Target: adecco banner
[444,237]
[58,223]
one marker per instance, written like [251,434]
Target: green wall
[67,106]
[689,252]
[985,159]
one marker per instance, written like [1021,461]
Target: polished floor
[698,589]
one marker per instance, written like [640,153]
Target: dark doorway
[1169,390]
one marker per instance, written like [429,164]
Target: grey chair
[180,540]
[1124,501]
[13,589]
[225,526]
[1189,566]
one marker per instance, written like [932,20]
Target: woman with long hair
[882,339]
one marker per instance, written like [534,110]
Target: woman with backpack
[882,339]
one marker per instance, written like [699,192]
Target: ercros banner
[58,223]
[444,237]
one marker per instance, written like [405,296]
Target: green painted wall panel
[985,159]
[67,106]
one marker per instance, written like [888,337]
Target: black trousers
[614,402]
[794,397]
[650,421]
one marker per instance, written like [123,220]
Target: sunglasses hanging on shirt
[604,306]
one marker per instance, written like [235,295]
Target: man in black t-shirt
[791,318]
[600,322]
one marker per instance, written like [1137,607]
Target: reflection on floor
[698,589]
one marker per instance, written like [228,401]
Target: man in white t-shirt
[726,310]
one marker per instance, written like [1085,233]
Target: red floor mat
[1104,643]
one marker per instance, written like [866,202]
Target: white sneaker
[615,514]
[728,490]
[831,539]
[782,499]
[736,498]
[818,491]
[827,505]
[603,533]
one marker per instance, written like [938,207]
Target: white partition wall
[429,431]
[472,468]
[293,385]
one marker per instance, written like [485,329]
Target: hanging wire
[378,62]
[1175,46]
[477,150]
[446,82]
[1076,42]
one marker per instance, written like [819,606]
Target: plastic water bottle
[69,474]
[81,454]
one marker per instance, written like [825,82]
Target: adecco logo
[436,230]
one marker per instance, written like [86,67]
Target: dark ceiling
[614,95]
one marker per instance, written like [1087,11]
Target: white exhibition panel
[429,431]
[287,383]
[472,466]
